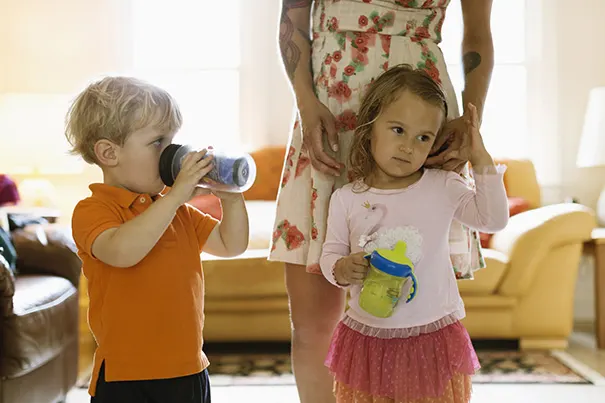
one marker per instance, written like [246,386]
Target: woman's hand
[351,269]
[451,150]
[480,158]
[316,122]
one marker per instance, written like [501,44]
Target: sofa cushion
[516,205]
[261,216]
[38,329]
[47,249]
[247,276]
[486,281]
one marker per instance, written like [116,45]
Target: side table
[596,247]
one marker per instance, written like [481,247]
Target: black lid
[166,164]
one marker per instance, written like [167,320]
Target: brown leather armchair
[39,317]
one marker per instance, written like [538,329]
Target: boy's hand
[193,169]
[351,269]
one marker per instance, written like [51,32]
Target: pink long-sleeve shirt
[425,210]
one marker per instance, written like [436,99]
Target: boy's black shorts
[187,389]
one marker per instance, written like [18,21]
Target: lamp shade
[592,144]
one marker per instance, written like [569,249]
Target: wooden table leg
[599,257]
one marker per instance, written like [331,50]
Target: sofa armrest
[529,236]
[7,290]
[47,249]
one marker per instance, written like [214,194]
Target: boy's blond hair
[113,108]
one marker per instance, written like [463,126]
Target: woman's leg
[316,306]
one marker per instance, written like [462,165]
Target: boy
[141,250]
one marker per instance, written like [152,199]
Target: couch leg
[529,343]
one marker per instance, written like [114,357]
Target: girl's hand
[351,269]
[316,122]
[193,169]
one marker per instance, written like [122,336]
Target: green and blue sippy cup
[382,287]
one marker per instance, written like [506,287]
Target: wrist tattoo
[471,60]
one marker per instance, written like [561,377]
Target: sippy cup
[382,287]
[233,173]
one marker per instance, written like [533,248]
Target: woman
[352,42]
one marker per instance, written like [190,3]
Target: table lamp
[592,144]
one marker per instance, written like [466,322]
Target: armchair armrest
[7,291]
[47,249]
[530,235]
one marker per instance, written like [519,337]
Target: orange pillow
[209,204]
[269,164]
[516,205]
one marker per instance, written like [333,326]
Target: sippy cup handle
[412,293]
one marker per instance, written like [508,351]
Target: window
[191,48]
[505,126]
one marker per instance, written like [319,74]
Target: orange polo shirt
[147,319]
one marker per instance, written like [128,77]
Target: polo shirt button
[142,200]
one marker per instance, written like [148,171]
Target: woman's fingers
[319,158]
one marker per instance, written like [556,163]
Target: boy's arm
[128,244]
[230,236]
[336,246]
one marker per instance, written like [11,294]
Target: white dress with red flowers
[354,41]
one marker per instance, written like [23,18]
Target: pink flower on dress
[422,32]
[303,162]
[340,91]
[363,21]
[349,70]
[386,43]
[337,56]
[328,60]
[347,120]
[293,238]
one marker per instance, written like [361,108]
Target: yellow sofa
[525,293]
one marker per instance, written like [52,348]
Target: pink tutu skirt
[404,365]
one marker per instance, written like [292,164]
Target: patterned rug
[501,367]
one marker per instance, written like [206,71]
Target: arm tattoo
[290,52]
[471,60]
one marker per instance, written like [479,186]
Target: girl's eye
[398,130]
[157,143]
[424,138]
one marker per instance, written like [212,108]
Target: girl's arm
[336,246]
[486,208]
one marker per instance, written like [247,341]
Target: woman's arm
[295,46]
[317,122]
[477,52]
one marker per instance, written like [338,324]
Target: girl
[421,353]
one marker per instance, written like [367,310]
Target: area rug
[497,367]
[502,367]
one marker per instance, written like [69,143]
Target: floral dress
[354,41]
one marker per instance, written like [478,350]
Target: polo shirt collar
[124,197]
